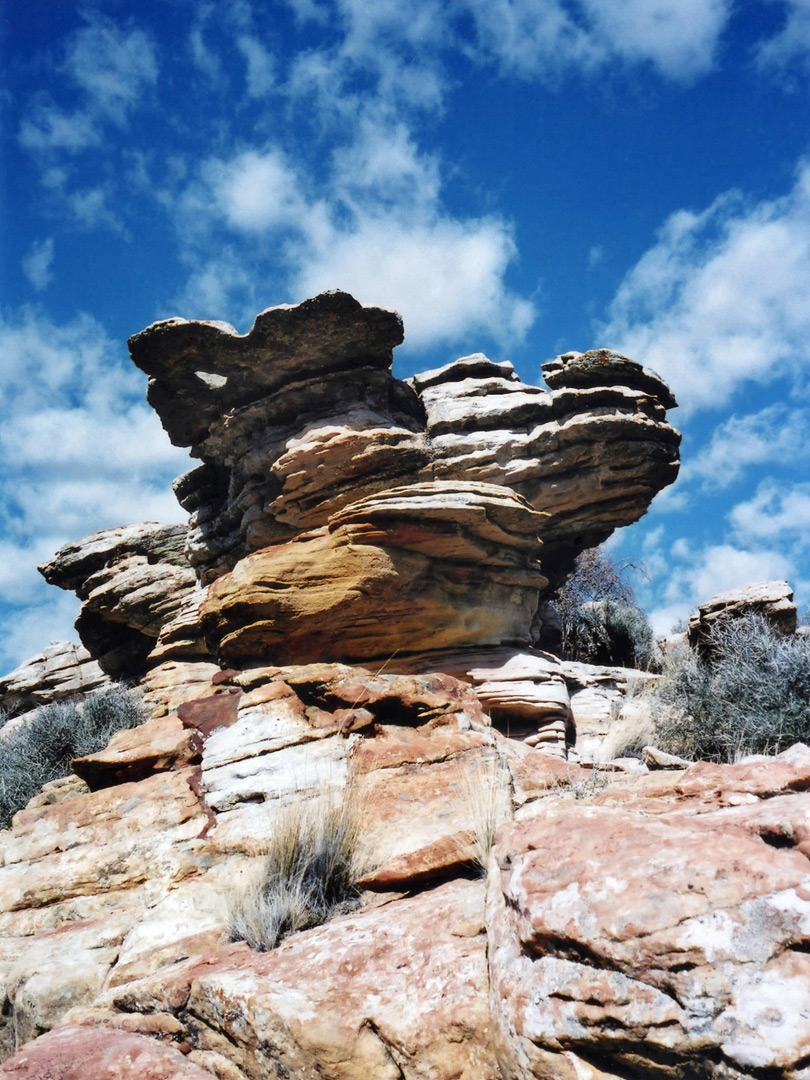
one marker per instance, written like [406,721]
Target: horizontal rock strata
[291,420]
[61,671]
[131,580]
[425,566]
[590,454]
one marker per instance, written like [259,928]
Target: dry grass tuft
[306,876]
[489,804]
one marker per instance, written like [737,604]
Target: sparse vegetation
[42,749]
[306,876]
[600,619]
[488,804]
[753,697]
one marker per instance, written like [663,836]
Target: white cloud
[377,229]
[776,435]
[38,262]
[721,299]
[81,451]
[113,64]
[697,573]
[48,127]
[544,39]
[775,512]
[445,278]
[260,65]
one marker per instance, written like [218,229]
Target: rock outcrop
[301,416]
[63,670]
[429,566]
[661,929]
[349,618]
[771,599]
[131,580]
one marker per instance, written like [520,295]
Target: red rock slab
[93,1053]
[449,856]
[393,991]
[132,755]
[653,943]
[705,786]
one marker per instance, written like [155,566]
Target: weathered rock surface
[662,929]
[131,581]
[591,455]
[771,599]
[292,420]
[301,416]
[438,565]
[63,670]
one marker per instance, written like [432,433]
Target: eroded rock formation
[773,600]
[349,615]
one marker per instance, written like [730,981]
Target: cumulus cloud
[376,227]
[81,451]
[720,301]
[696,572]
[109,66]
[776,511]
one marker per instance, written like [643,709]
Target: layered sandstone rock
[771,599]
[131,580]
[291,420]
[425,566]
[591,453]
[301,416]
[63,670]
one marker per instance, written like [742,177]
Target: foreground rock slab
[668,945]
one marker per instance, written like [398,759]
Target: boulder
[658,935]
[591,455]
[292,420]
[302,416]
[771,599]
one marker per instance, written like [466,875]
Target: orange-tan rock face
[428,566]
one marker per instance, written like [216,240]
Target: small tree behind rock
[600,619]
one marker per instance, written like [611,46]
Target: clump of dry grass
[306,876]
[488,804]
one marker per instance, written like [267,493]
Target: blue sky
[520,177]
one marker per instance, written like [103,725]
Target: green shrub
[752,698]
[42,749]
[307,875]
[600,620]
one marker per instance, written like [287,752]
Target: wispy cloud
[38,262]
[81,451]
[721,300]
[775,436]
[790,47]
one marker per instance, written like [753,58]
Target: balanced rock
[773,600]
[302,416]
[292,420]
[436,565]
